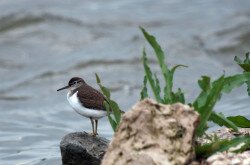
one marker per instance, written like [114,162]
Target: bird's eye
[75,82]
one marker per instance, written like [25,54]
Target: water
[45,43]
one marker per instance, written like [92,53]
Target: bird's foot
[93,134]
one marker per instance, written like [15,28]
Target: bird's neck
[73,91]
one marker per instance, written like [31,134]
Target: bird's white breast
[76,105]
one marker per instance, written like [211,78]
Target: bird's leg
[93,129]
[96,124]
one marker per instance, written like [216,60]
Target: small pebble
[217,156]
[221,162]
[231,155]
[236,161]
[246,161]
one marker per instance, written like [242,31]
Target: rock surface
[154,134]
[223,133]
[81,148]
[227,158]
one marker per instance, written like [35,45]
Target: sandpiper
[86,101]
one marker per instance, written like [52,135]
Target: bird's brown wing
[91,98]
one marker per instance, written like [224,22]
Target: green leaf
[111,120]
[104,90]
[171,75]
[161,60]
[248,87]
[240,121]
[237,80]
[144,91]
[107,107]
[221,120]
[112,123]
[149,76]
[157,85]
[110,105]
[204,83]
[175,67]
[200,101]
[247,60]
[206,110]
[229,83]
[97,78]
[168,74]
[206,150]
[157,48]
[245,65]
[210,92]
[116,111]
[237,60]
[178,97]
[181,97]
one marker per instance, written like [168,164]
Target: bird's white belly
[76,105]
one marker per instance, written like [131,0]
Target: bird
[86,101]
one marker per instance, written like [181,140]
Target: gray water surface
[45,43]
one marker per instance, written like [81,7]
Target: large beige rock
[154,134]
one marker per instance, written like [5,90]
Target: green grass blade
[149,76]
[240,121]
[207,109]
[144,91]
[223,145]
[221,120]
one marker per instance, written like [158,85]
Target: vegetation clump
[210,94]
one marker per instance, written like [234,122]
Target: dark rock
[81,148]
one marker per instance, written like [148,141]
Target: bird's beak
[63,88]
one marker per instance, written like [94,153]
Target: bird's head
[74,83]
